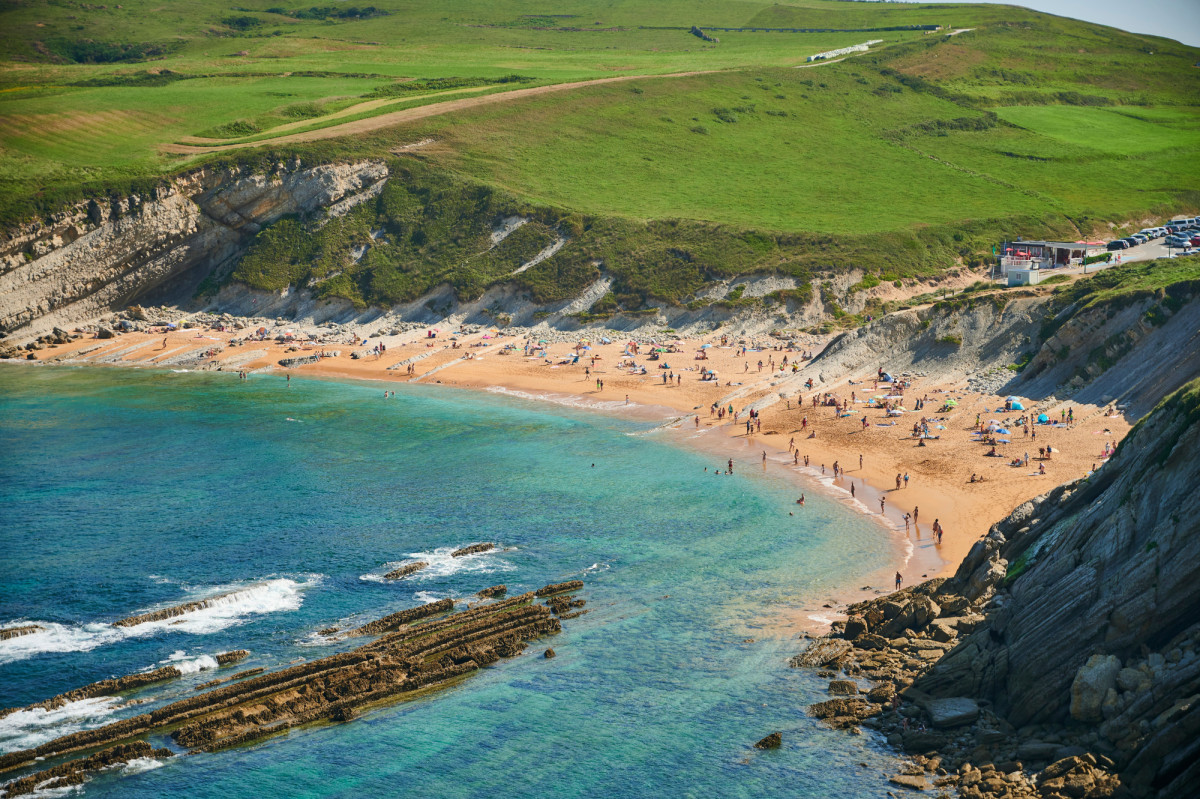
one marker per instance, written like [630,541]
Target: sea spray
[232,605]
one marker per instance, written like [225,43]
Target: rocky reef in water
[472,549]
[111,687]
[405,570]
[1063,657]
[17,632]
[407,657]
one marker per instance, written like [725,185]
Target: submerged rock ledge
[406,658]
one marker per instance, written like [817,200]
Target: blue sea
[124,490]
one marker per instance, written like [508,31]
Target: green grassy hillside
[907,159]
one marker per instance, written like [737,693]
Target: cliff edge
[1063,657]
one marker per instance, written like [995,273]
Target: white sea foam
[429,597]
[442,564]
[25,729]
[240,601]
[190,664]
[141,764]
[596,567]
[56,793]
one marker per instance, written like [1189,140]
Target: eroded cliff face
[101,257]
[1093,608]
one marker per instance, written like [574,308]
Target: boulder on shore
[952,712]
[1092,683]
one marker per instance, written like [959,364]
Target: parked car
[1177,241]
[1195,241]
[1139,238]
[1118,244]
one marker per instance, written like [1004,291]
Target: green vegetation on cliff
[907,160]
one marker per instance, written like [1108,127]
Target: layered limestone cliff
[101,257]
[1094,623]
[1063,657]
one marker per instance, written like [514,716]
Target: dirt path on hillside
[357,108]
[421,112]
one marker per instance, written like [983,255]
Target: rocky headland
[1062,659]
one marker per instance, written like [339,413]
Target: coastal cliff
[104,255]
[1065,651]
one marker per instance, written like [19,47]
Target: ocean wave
[142,764]
[429,597]
[56,793]
[189,664]
[230,605]
[595,567]
[442,564]
[25,729]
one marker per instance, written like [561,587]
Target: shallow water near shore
[123,491]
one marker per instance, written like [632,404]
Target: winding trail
[420,112]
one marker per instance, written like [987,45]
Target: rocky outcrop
[562,604]
[16,632]
[111,687]
[104,255]
[241,675]
[411,657]
[173,611]
[397,620]
[559,588]
[1066,648]
[225,658]
[75,772]
[300,360]
[406,570]
[494,591]
[772,741]
[472,549]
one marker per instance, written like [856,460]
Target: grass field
[904,160]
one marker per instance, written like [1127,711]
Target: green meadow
[906,159]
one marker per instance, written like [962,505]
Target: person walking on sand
[916,511]
[906,479]
[898,478]
[907,521]
[860,461]
[882,502]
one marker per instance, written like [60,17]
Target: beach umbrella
[1016,406]
[1043,418]
[705,346]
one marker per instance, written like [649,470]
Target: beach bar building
[1028,256]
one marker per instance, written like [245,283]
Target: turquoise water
[127,490]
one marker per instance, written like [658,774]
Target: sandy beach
[939,485]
